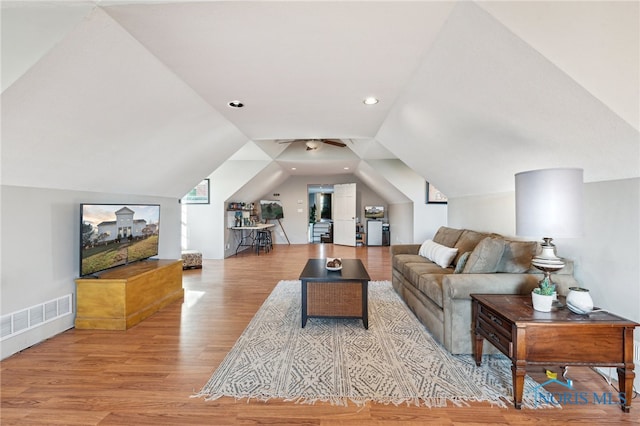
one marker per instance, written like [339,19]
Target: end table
[559,337]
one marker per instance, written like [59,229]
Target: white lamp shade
[549,203]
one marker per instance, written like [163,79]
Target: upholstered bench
[191,259]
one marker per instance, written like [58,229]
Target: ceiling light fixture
[312,144]
[346,168]
[235,104]
[370,100]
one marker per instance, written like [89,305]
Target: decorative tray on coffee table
[334,263]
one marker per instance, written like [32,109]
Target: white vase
[579,300]
[541,302]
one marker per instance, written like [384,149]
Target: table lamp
[548,205]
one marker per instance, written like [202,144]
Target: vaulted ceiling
[132,96]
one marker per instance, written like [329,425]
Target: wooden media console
[122,297]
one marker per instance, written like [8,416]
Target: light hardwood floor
[146,375]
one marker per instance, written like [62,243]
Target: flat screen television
[374,212]
[117,234]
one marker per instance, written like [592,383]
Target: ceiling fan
[315,143]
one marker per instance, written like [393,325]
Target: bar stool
[263,240]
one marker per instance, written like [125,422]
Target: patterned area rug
[336,360]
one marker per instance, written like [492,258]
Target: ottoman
[191,259]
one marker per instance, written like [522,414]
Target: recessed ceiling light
[346,168]
[235,104]
[370,100]
[293,168]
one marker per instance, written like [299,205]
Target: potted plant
[543,296]
[312,214]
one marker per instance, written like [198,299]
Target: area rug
[395,361]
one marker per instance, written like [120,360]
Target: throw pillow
[517,256]
[462,260]
[468,241]
[485,257]
[437,253]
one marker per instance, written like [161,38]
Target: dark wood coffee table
[559,337]
[335,294]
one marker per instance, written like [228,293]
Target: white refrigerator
[374,232]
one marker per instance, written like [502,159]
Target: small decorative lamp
[549,204]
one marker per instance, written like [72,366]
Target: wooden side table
[559,337]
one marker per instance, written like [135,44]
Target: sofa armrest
[404,249]
[461,286]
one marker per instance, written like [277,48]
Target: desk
[559,337]
[247,239]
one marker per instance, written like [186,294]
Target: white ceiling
[132,96]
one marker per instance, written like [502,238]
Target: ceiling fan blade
[334,142]
[288,141]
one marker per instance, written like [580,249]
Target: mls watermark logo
[573,397]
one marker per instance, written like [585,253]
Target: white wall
[40,249]
[427,218]
[487,213]
[607,257]
[401,223]
[202,228]
[206,225]
[295,202]
[413,223]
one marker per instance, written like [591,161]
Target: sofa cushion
[399,260]
[484,259]
[462,260]
[437,253]
[447,236]
[413,271]
[468,241]
[517,256]
[431,286]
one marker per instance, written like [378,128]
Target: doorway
[325,206]
[332,211]
[320,202]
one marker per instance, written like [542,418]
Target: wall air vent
[34,316]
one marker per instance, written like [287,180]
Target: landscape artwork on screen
[374,212]
[117,234]
[271,209]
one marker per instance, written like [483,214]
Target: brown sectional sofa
[485,263]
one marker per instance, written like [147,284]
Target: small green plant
[545,287]
[312,214]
